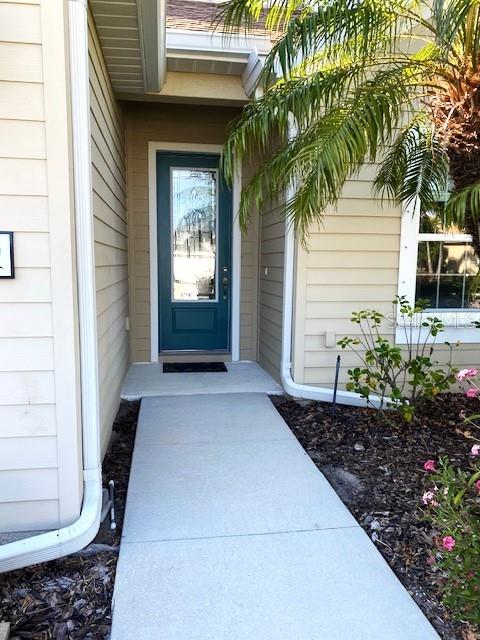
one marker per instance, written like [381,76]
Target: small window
[447,270]
[439,266]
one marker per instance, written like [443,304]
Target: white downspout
[62,542]
[294,389]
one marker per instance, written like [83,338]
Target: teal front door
[194,209]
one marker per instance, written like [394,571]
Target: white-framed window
[440,267]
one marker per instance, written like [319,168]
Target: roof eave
[151,22]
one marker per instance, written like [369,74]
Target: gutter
[67,540]
[292,388]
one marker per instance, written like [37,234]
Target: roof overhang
[145,60]
[216,53]
[132,36]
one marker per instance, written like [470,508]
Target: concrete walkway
[231,533]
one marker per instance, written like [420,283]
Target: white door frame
[153,147]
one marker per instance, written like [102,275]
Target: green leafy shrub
[398,376]
[453,504]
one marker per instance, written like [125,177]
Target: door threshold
[195,356]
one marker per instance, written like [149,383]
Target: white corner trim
[152,225]
[69,539]
[185,147]
[236,265]
[407,266]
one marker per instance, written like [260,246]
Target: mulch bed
[377,469]
[71,598]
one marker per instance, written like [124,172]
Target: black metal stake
[335,386]
[111,492]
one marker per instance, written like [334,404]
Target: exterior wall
[110,229]
[183,86]
[169,123]
[270,301]
[352,264]
[40,453]
[249,285]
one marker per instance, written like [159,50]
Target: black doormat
[194,367]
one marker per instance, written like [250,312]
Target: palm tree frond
[415,167]
[360,27]
[350,73]
[322,156]
[243,15]
[450,19]
[463,202]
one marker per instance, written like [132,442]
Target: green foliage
[416,165]
[394,376]
[339,87]
[467,199]
[454,509]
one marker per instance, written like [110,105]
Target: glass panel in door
[194,234]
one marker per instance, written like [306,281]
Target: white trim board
[153,147]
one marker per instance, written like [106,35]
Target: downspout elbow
[61,542]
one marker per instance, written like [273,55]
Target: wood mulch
[377,469]
[70,598]
[375,466]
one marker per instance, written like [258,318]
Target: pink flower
[449,543]
[428,498]
[467,373]
[472,392]
[475,450]
[477,485]
[429,465]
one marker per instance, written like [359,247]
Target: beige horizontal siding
[20,23]
[31,212]
[20,62]
[351,264]
[110,230]
[270,300]
[21,101]
[26,354]
[24,320]
[41,454]
[33,484]
[249,284]
[27,421]
[22,139]
[28,515]
[29,495]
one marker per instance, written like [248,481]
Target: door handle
[225,286]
